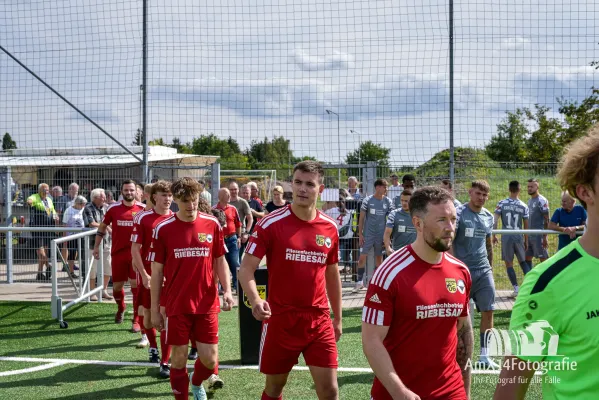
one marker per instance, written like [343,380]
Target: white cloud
[307,62]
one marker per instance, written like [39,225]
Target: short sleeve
[108,217]
[468,282]
[246,208]
[544,206]
[391,205]
[526,212]
[584,215]
[364,206]
[379,304]
[237,219]
[259,242]
[219,248]
[137,236]
[535,313]
[333,256]
[555,217]
[498,208]
[458,213]
[390,220]
[66,216]
[259,207]
[158,249]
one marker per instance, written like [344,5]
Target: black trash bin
[250,329]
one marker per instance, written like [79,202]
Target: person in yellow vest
[42,214]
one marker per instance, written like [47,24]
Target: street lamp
[360,147]
[338,137]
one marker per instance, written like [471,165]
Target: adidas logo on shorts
[375,299]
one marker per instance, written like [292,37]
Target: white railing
[83,292]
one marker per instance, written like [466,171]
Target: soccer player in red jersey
[160,200]
[416,332]
[120,216]
[232,232]
[188,250]
[301,245]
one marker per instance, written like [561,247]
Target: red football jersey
[420,303]
[121,218]
[233,221]
[297,254]
[143,225]
[187,251]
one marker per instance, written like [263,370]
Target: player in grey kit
[538,207]
[472,245]
[399,225]
[371,227]
[514,215]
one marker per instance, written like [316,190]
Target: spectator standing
[352,188]
[277,200]
[254,194]
[73,218]
[109,198]
[255,206]
[42,214]
[204,193]
[63,202]
[568,219]
[93,214]
[344,219]
[55,194]
[231,232]
[245,215]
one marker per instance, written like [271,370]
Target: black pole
[144,92]
[451,122]
[68,102]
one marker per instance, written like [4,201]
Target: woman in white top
[344,219]
[73,218]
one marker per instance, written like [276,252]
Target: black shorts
[42,239]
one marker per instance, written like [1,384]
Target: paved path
[43,292]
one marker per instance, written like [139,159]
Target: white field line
[32,369]
[54,362]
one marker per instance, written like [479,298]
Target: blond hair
[579,163]
[278,189]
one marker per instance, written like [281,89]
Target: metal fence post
[99,271]
[370,177]
[215,177]
[8,214]
[56,303]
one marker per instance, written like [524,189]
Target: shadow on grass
[91,380]
[360,379]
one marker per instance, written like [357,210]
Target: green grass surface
[26,330]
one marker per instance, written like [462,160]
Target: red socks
[201,373]
[180,383]
[135,307]
[165,349]
[119,298]
[151,334]
[267,397]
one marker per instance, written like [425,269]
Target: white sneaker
[143,343]
[485,362]
[214,383]
[359,286]
[513,295]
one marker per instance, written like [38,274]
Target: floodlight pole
[338,144]
[144,92]
[451,120]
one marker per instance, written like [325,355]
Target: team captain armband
[101,234]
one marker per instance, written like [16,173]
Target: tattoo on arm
[489,243]
[464,351]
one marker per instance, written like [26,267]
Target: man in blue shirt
[569,219]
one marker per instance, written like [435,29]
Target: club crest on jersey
[261,292]
[461,286]
[209,238]
[133,213]
[320,240]
[451,285]
[328,242]
[202,237]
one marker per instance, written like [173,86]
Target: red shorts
[180,328]
[286,336]
[122,266]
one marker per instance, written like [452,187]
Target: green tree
[543,144]
[510,142]
[270,154]
[578,117]
[8,143]
[212,145]
[157,142]
[181,148]
[137,138]
[368,151]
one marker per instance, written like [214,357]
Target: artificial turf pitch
[27,331]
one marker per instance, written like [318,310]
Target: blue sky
[265,68]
